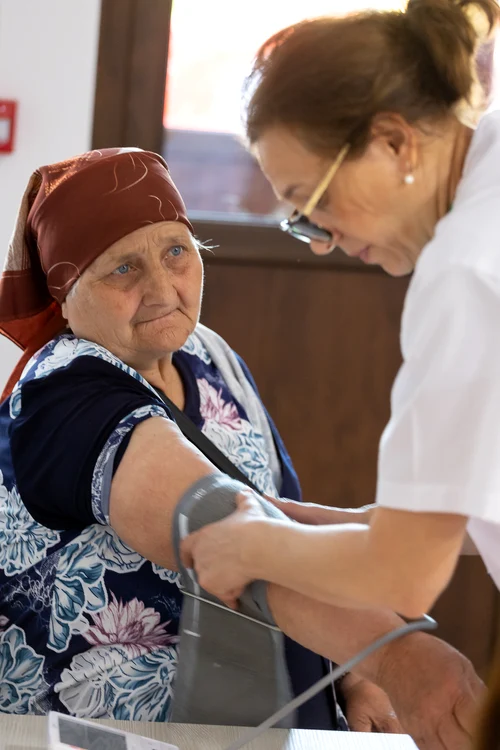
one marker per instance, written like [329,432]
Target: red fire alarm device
[8,110]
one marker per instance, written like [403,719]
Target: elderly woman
[366,124]
[102,289]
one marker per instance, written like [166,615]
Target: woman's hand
[217,552]
[368,708]
[322,515]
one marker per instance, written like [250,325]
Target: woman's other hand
[368,707]
[216,552]
[321,515]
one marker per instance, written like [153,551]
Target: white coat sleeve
[440,451]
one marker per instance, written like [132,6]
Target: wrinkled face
[141,298]
[369,209]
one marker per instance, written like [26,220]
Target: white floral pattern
[79,587]
[15,402]
[195,347]
[23,542]
[104,682]
[85,687]
[64,349]
[21,673]
[145,686]
[59,353]
[165,574]
[245,447]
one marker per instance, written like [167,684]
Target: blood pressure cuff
[231,665]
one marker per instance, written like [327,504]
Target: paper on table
[368,741]
[72,733]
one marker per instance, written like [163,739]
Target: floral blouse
[87,625]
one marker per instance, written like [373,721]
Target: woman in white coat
[367,125]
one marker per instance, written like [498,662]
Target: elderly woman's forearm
[337,633]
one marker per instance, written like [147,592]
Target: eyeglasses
[299,224]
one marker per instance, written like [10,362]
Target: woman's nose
[321,248]
[158,287]
[324,248]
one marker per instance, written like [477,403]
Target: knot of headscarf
[71,212]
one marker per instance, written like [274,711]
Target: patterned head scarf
[71,212]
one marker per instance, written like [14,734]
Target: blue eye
[177,250]
[122,270]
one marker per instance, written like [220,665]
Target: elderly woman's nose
[158,286]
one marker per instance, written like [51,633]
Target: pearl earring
[409,179]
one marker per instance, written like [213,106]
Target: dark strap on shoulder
[204,444]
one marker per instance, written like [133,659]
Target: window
[208,61]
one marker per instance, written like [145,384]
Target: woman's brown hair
[327,78]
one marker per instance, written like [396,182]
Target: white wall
[48,54]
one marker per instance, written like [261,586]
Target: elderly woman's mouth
[156,318]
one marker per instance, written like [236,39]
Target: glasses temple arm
[313,200]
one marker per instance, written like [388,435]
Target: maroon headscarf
[72,212]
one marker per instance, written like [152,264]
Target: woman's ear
[398,137]
[64,310]
[394,129]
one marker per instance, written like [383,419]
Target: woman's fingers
[215,551]
[308,513]
[368,707]
[318,515]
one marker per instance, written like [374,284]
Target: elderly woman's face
[141,298]
[366,207]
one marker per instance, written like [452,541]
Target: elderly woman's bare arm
[158,466]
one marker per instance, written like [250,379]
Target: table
[23,732]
